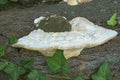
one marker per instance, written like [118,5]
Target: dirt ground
[19,22]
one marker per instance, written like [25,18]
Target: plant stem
[55,76]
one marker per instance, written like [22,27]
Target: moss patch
[55,24]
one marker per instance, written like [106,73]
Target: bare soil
[19,22]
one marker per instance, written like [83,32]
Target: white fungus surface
[76,2]
[84,34]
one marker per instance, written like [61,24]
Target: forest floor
[19,22]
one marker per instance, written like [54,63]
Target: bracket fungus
[83,34]
[76,2]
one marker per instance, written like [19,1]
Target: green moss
[55,24]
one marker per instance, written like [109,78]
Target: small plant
[103,73]
[27,64]
[6,1]
[35,75]
[12,39]
[119,22]
[3,65]
[57,64]
[112,21]
[79,78]
[14,71]
[3,1]
[2,50]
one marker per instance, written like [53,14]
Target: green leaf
[12,39]
[97,77]
[103,73]
[2,50]
[14,71]
[27,63]
[14,0]
[3,1]
[3,65]
[119,22]
[35,75]
[112,21]
[79,78]
[58,63]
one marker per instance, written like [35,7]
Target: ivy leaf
[79,78]
[103,73]
[3,1]
[2,50]
[27,63]
[3,65]
[14,71]
[12,39]
[97,77]
[112,21]
[35,75]
[58,63]
[119,22]
[14,0]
